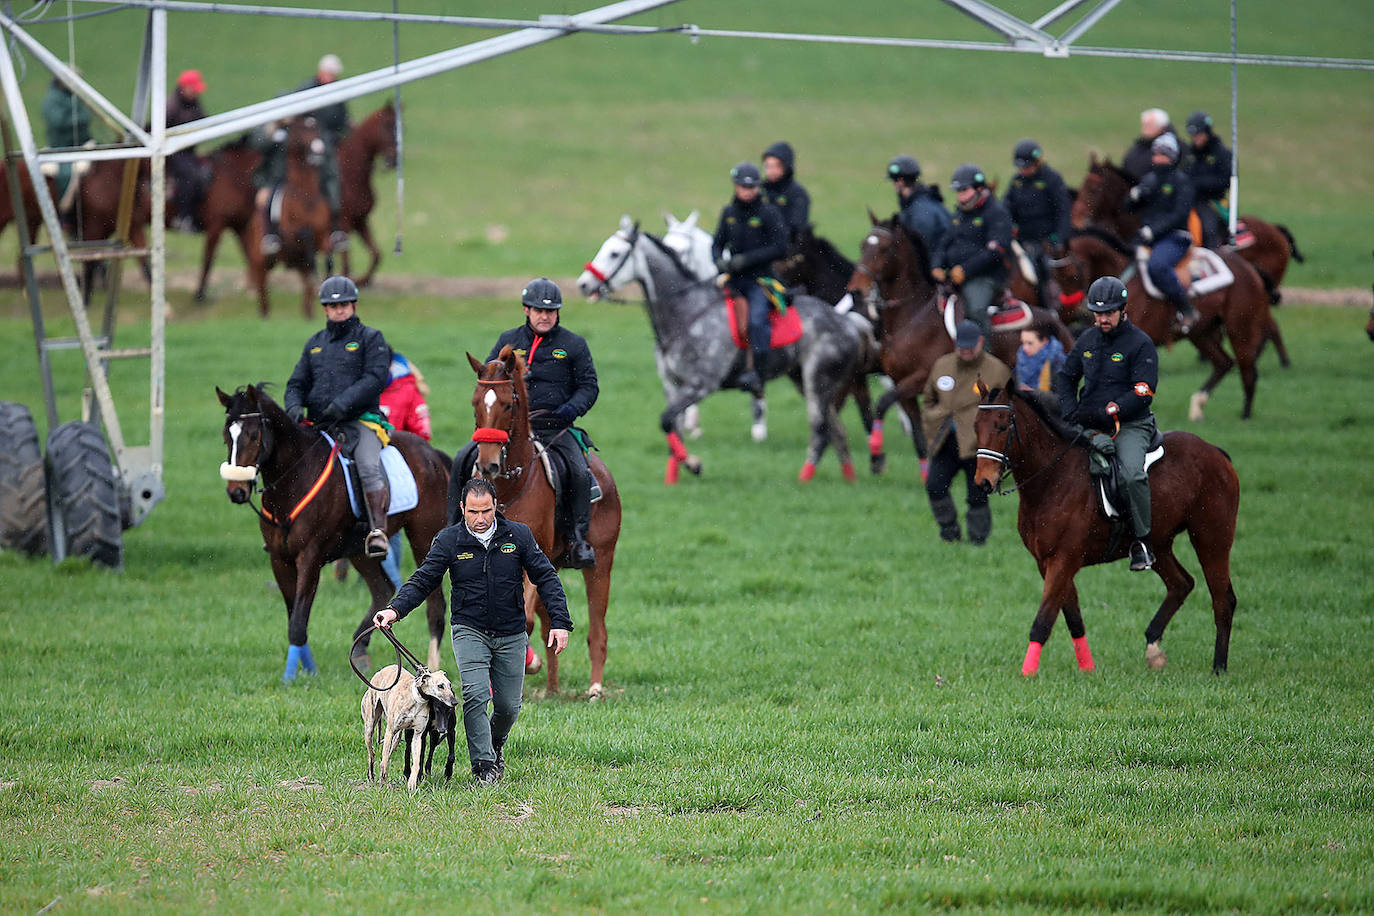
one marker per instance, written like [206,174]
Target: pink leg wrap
[1032,662]
[807,472]
[1083,654]
[847,469]
[670,475]
[529,656]
[675,446]
[875,438]
[925,469]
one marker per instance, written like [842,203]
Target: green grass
[814,704]
[547,147]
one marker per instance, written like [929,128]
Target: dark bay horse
[506,456]
[894,275]
[306,519]
[696,356]
[1193,488]
[33,216]
[97,210]
[228,203]
[303,219]
[1100,203]
[1241,310]
[358,153]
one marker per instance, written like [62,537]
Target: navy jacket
[561,370]
[754,232]
[332,119]
[488,584]
[1039,206]
[345,364]
[1166,197]
[792,202]
[978,239]
[1209,169]
[1121,367]
[1138,158]
[922,214]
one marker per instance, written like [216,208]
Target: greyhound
[443,726]
[405,706]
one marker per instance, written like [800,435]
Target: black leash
[400,651]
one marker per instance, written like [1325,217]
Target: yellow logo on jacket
[352,345]
[465,555]
[1118,357]
[508,548]
[316,349]
[560,354]
[1087,354]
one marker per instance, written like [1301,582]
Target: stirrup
[376,546]
[594,491]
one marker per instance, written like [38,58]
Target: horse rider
[949,408]
[1038,202]
[68,123]
[1209,167]
[333,124]
[560,379]
[1117,365]
[755,233]
[487,557]
[183,166]
[403,404]
[972,255]
[920,206]
[336,385]
[1164,198]
[1154,123]
[782,190]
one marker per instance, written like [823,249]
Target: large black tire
[23,497]
[83,499]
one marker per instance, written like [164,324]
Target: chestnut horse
[306,519]
[228,202]
[358,152]
[893,275]
[97,211]
[1193,488]
[506,456]
[1241,309]
[303,221]
[1100,203]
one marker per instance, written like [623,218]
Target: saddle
[1010,314]
[67,177]
[1245,236]
[1107,477]
[1201,271]
[405,494]
[785,324]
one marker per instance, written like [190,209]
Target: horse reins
[305,500]
[400,651]
[1005,461]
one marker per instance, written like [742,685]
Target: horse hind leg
[1213,547]
[1178,584]
[1073,619]
[598,585]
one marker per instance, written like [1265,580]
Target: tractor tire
[83,496]
[23,496]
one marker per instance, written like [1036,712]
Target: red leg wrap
[670,475]
[807,472]
[875,438]
[1032,662]
[1083,654]
[847,469]
[676,447]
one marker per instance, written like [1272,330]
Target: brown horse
[306,519]
[1193,488]
[303,218]
[506,456]
[358,152]
[97,210]
[33,216]
[894,275]
[1241,309]
[1100,203]
[228,203]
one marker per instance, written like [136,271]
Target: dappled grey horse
[696,355]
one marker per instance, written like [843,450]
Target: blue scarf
[1038,371]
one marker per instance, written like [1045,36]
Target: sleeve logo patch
[945,383]
[1118,357]
[316,349]
[560,354]
[352,345]
[508,548]
[1087,354]
[1143,389]
[465,555]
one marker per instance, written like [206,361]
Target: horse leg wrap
[875,438]
[670,475]
[675,446]
[1032,662]
[308,660]
[1083,653]
[293,662]
[925,469]
[847,469]
[808,470]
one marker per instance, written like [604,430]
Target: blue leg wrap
[308,660]
[293,660]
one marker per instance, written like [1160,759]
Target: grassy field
[522,165]
[814,704]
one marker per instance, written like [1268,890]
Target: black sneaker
[500,763]
[1141,557]
[488,775]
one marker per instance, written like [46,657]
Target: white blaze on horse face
[871,240]
[231,470]
[490,399]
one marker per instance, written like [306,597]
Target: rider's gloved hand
[1136,192]
[938,274]
[723,264]
[1147,235]
[1103,443]
[331,414]
[566,413]
[296,413]
[957,275]
[736,263]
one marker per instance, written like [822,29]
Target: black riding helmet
[1199,122]
[338,289]
[745,175]
[1107,294]
[904,167]
[541,293]
[968,176]
[1027,153]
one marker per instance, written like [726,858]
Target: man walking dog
[486,556]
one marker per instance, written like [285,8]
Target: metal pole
[158,318]
[1234,199]
[400,133]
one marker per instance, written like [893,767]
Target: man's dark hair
[478,485]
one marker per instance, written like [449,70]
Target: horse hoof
[877,463]
[759,432]
[1195,405]
[595,692]
[693,464]
[532,660]
[1155,657]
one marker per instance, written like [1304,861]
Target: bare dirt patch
[116,783]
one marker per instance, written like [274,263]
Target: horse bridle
[1004,461]
[1071,300]
[605,279]
[496,434]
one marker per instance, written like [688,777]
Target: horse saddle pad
[1201,271]
[1244,236]
[1023,262]
[1010,315]
[405,495]
[785,326]
[1109,486]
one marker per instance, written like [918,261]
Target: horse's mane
[1045,405]
[1107,165]
[918,243]
[1106,237]
[671,254]
[827,251]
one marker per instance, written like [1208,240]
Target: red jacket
[405,407]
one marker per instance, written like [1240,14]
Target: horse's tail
[1292,243]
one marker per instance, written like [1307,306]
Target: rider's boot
[581,554]
[1187,315]
[271,239]
[1142,558]
[338,239]
[376,545]
[751,379]
[947,517]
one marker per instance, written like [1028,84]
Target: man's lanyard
[538,339]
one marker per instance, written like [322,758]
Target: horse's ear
[625,222]
[691,221]
[981,388]
[223,398]
[507,356]
[872,217]
[1092,159]
[472,361]
[669,218]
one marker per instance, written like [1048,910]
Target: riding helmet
[1026,154]
[541,293]
[904,167]
[1107,294]
[338,289]
[1199,122]
[968,176]
[745,175]
[1166,144]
